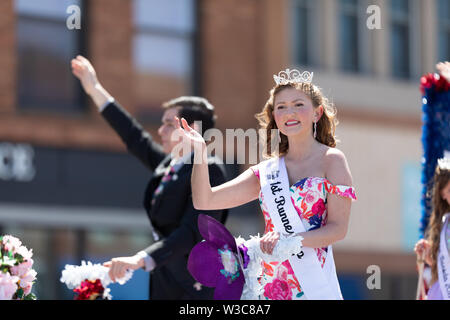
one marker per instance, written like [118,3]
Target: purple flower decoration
[217,261]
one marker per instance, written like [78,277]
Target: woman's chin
[292,131]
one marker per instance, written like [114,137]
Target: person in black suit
[168,198]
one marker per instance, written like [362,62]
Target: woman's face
[294,112]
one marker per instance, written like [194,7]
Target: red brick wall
[235,64]
[230,59]
[244,42]
[110,35]
[7,58]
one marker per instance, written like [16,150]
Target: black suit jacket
[172,215]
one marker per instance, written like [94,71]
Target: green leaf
[19,258]
[4,269]
[30,296]
[19,293]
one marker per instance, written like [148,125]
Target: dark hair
[194,109]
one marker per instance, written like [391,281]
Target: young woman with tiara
[434,250]
[304,189]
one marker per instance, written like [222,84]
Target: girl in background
[434,250]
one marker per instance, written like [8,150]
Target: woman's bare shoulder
[336,166]
[334,154]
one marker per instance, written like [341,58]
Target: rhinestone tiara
[293,76]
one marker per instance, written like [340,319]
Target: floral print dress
[309,197]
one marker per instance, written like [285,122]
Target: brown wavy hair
[440,208]
[326,126]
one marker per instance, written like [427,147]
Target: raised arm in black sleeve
[138,141]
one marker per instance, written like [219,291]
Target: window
[45,47]
[444,30]
[303,32]
[163,50]
[349,44]
[400,39]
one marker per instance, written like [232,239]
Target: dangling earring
[278,136]
[315,130]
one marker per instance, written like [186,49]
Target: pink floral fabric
[309,197]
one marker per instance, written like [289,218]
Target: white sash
[444,261]
[317,283]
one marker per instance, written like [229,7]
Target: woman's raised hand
[423,251]
[189,135]
[85,72]
[444,69]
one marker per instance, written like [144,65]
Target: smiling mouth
[291,123]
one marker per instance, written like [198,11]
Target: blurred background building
[70,191]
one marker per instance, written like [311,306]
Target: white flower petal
[285,247]
[73,276]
